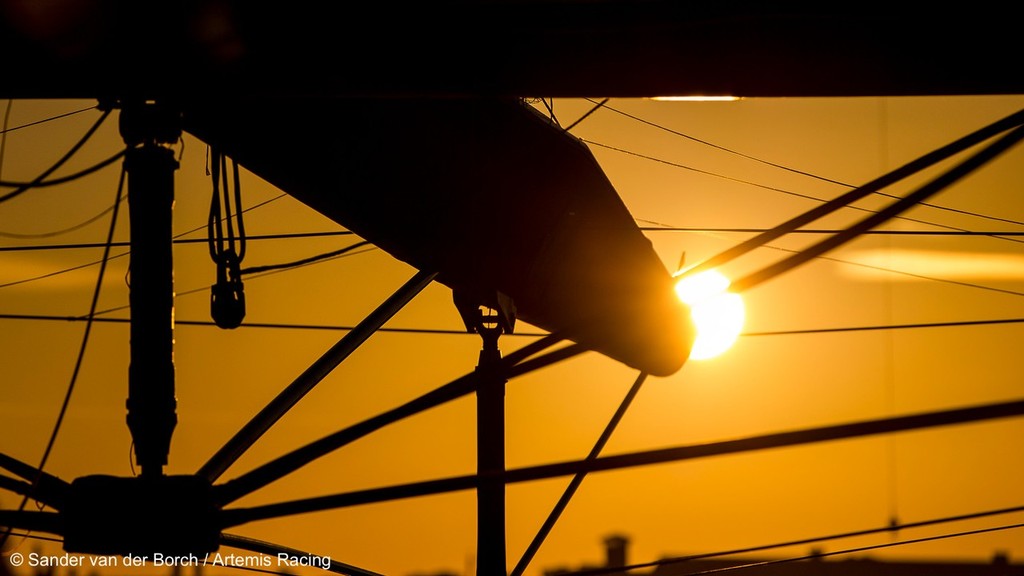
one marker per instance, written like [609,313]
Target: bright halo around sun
[717,313]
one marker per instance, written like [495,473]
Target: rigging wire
[794,170]
[780,190]
[275,269]
[597,106]
[860,429]
[812,556]
[657,227]
[123,254]
[893,210]
[68,178]
[511,365]
[577,479]
[70,153]
[50,119]
[62,231]
[825,232]
[81,352]
[519,334]
[3,135]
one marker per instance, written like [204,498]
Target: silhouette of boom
[487,193]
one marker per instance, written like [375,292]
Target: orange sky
[766,383]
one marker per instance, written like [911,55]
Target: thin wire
[454,332]
[892,211]
[289,236]
[304,261]
[74,149]
[773,440]
[657,228]
[123,254]
[890,528]
[50,119]
[331,256]
[823,231]
[719,147]
[70,177]
[81,351]
[512,364]
[597,106]
[859,549]
[32,536]
[901,272]
[577,479]
[61,232]
[955,324]
[796,171]
[770,188]
[3,135]
[682,559]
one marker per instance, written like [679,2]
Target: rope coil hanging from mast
[227,295]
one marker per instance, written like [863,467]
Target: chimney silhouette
[615,548]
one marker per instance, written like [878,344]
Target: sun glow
[717,313]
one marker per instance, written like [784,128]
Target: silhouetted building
[616,557]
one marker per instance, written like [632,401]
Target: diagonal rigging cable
[577,479]
[518,334]
[790,192]
[800,437]
[651,228]
[843,200]
[62,231]
[926,191]
[70,177]
[784,167]
[276,409]
[513,364]
[67,156]
[45,120]
[864,548]
[253,237]
[686,571]
[889,528]
[123,254]
[81,353]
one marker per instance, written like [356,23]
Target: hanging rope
[227,248]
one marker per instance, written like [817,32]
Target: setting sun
[717,313]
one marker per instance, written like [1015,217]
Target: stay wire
[926,191]
[658,228]
[123,254]
[577,479]
[795,170]
[70,177]
[271,269]
[819,555]
[50,119]
[846,204]
[74,149]
[304,261]
[719,147]
[62,231]
[518,334]
[815,540]
[81,351]
[512,364]
[3,135]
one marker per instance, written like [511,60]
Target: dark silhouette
[616,553]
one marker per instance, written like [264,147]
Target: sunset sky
[720,170]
